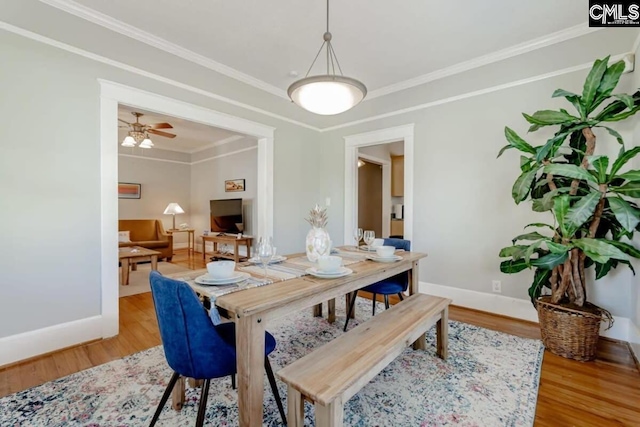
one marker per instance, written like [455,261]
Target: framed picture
[128,190]
[234,185]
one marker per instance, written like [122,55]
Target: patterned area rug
[490,379]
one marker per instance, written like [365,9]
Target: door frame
[403,133]
[112,94]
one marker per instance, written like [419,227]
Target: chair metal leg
[233,381]
[373,312]
[274,388]
[386,302]
[400,296]
[202,407]
[165,397]
[352,304]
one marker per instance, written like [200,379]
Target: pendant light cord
[332,58]
[328,42]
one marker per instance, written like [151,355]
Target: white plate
[392,258]
[275,260]
[208,281]
[340,273]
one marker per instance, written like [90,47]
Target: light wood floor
[601,393]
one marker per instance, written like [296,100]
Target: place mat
[216,291]
[304,262]
[274,272]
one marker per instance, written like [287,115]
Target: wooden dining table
[252,310]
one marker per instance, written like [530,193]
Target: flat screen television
[226,216]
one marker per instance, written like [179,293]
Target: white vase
[314,234]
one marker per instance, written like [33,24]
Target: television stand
[228,240]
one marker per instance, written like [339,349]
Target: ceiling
[190,136]
[380,42]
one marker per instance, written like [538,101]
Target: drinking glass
[321,244]
[357,236]
[266,251]
[369,237]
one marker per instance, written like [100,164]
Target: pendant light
[330,93]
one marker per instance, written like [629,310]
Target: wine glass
[357,236]
[369,237]
[266,251]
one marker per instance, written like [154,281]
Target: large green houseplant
[589,202]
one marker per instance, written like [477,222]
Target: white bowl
[221,269]
[377,242]
[329,264]
[385,251]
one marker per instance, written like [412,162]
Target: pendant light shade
[329,93]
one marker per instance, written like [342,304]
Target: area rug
[490,379]
[139,280]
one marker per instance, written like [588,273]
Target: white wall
[162,182]
[50,178]
[464,212]
[238,160]
[634,333]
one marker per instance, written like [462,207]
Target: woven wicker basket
[569,332]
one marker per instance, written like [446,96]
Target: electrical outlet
[327,201]
[496,286]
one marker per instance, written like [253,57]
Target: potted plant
[589,201]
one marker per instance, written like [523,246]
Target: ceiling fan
[139,132]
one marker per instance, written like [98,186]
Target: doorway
[370,196]
[111,94]
[353,144]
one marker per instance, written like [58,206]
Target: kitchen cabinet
[397,176]
[397,227]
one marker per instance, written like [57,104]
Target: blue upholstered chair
[193,346]
[391,286]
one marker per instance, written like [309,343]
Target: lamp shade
[146,143]
[327,94]
[129,142]
[173,208]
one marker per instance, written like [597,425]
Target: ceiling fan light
[129,142]
[327,94]
[146,143]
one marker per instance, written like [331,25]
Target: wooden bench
[330,375]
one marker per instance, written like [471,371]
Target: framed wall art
[128,190]
[231,185]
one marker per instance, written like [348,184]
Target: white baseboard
[33,343]
[513,307]
[180,245]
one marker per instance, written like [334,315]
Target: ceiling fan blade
[160,126]
[160,133]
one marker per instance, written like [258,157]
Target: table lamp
[173,209]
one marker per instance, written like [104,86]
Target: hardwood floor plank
[605,392]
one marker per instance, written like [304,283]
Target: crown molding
[500,55]
[227,140]
[155,159]
[474,93]
[135,70]
[51,42]
[125,29]
[190,163]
